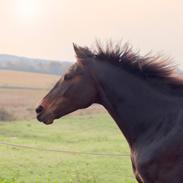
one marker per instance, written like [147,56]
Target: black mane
[156,69]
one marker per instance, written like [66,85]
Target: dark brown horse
[143,96]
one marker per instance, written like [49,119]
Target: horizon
[34,58]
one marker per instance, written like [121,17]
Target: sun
[27,10]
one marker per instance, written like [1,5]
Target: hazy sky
[47,28]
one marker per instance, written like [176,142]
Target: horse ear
[76,49]
[82,53]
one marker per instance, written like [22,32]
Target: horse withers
[143,96]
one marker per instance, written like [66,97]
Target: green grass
[97,134]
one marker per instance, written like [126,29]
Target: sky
[47,28]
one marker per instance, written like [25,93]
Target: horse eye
[67,77]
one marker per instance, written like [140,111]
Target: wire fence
[115,155]
[64,151]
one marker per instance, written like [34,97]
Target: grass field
[82,131]
[86,133]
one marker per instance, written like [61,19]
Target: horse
[144,96]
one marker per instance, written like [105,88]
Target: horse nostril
[39,109]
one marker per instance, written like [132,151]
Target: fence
[64,151]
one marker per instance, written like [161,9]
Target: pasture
[96,134]
[21,91]
[90,130]
[19,79]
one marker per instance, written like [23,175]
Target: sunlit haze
[27,10]
[47,28]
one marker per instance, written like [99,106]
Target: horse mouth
[46,120]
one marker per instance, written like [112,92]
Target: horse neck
[132,102]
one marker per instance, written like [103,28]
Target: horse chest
[161,166]
[145,169]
